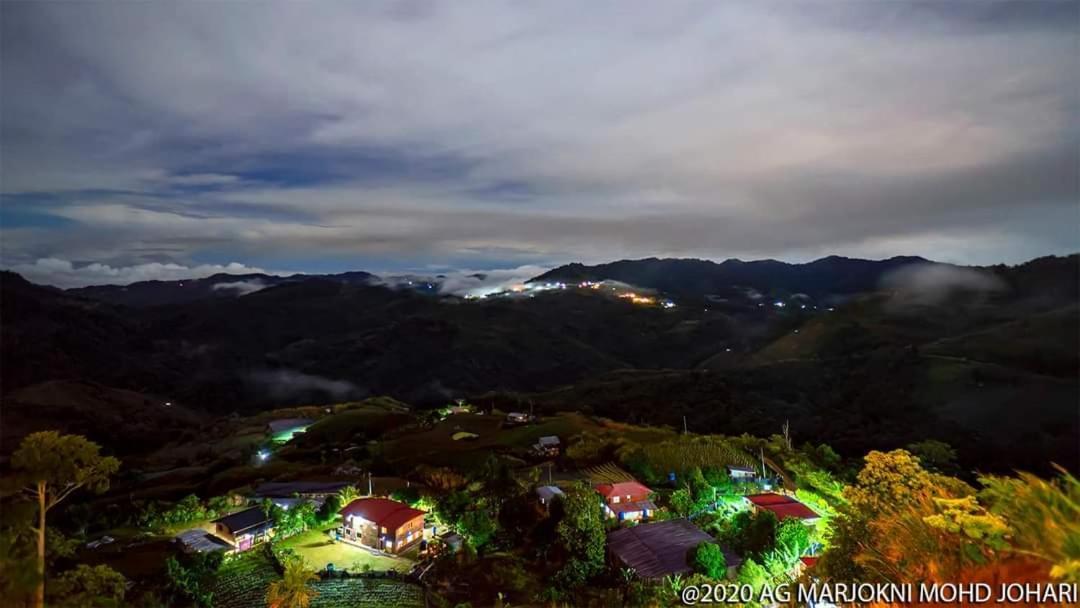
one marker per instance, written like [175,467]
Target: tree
[478,526]
[408,495]
[792,537]
[581,532]
[451,507]
[709,560]
[330,508]
[753,574]
[888,481]
[347,495]
[97,586]
[681,502]
[53,466]
[292,591]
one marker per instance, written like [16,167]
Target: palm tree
[347,495]
[292,590]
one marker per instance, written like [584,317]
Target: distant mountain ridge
[832,275]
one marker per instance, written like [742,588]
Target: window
[614,500]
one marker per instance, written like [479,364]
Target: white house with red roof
[380,523]
[626,500]
[783,507]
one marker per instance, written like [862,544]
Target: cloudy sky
[145,140]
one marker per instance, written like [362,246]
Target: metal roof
[658,549]
[244,520]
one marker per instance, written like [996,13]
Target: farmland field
[242,581]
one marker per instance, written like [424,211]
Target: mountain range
[861,353]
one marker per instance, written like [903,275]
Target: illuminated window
[614,500]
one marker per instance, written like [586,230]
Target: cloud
[538,133]
[64,273]
[933,284]
[482,282]
[288,384]
[242,288]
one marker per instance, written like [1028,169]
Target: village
[654,507]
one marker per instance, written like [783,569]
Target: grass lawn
[316,547]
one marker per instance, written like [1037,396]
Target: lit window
[614,500]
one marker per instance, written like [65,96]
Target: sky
[172,140]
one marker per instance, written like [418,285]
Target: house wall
[401,535]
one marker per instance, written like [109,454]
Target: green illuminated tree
[581,532]
[709,560]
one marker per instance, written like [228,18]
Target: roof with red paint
[623,488]
[783,506]
[808,561]
[385,513]
[769,498]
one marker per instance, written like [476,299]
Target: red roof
[623,488]
[782,506]
[808,561]
[769,498]
[384,513]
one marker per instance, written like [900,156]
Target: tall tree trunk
[39,593]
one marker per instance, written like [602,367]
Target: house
[547,446]
[282,430]
[517,418]
[626,500]
[244,529]
[660,549]
[783,507]
[382,524]
[738,473]
[547,494]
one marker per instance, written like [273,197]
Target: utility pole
[684,431]
[369,485]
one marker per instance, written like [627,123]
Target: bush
[709,560]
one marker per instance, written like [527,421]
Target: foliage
[751,534]
[193,578]
[1044,516]
[347,495]
[292,591]
[478,526]
[753,574]
[581,533]
[329,509]
[888,481]
[709,560]
[294,520]
[408,495]
[451,507]
[792,536]
[441,478]
[681,502]
[51,467]
[88,586]
[188,509]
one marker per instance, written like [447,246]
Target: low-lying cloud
[284,384]
[933,284]
[241,288]
[482,282]
[65,274]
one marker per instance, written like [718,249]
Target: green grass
[359,593]
[316,547]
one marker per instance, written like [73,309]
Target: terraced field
[242,583]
